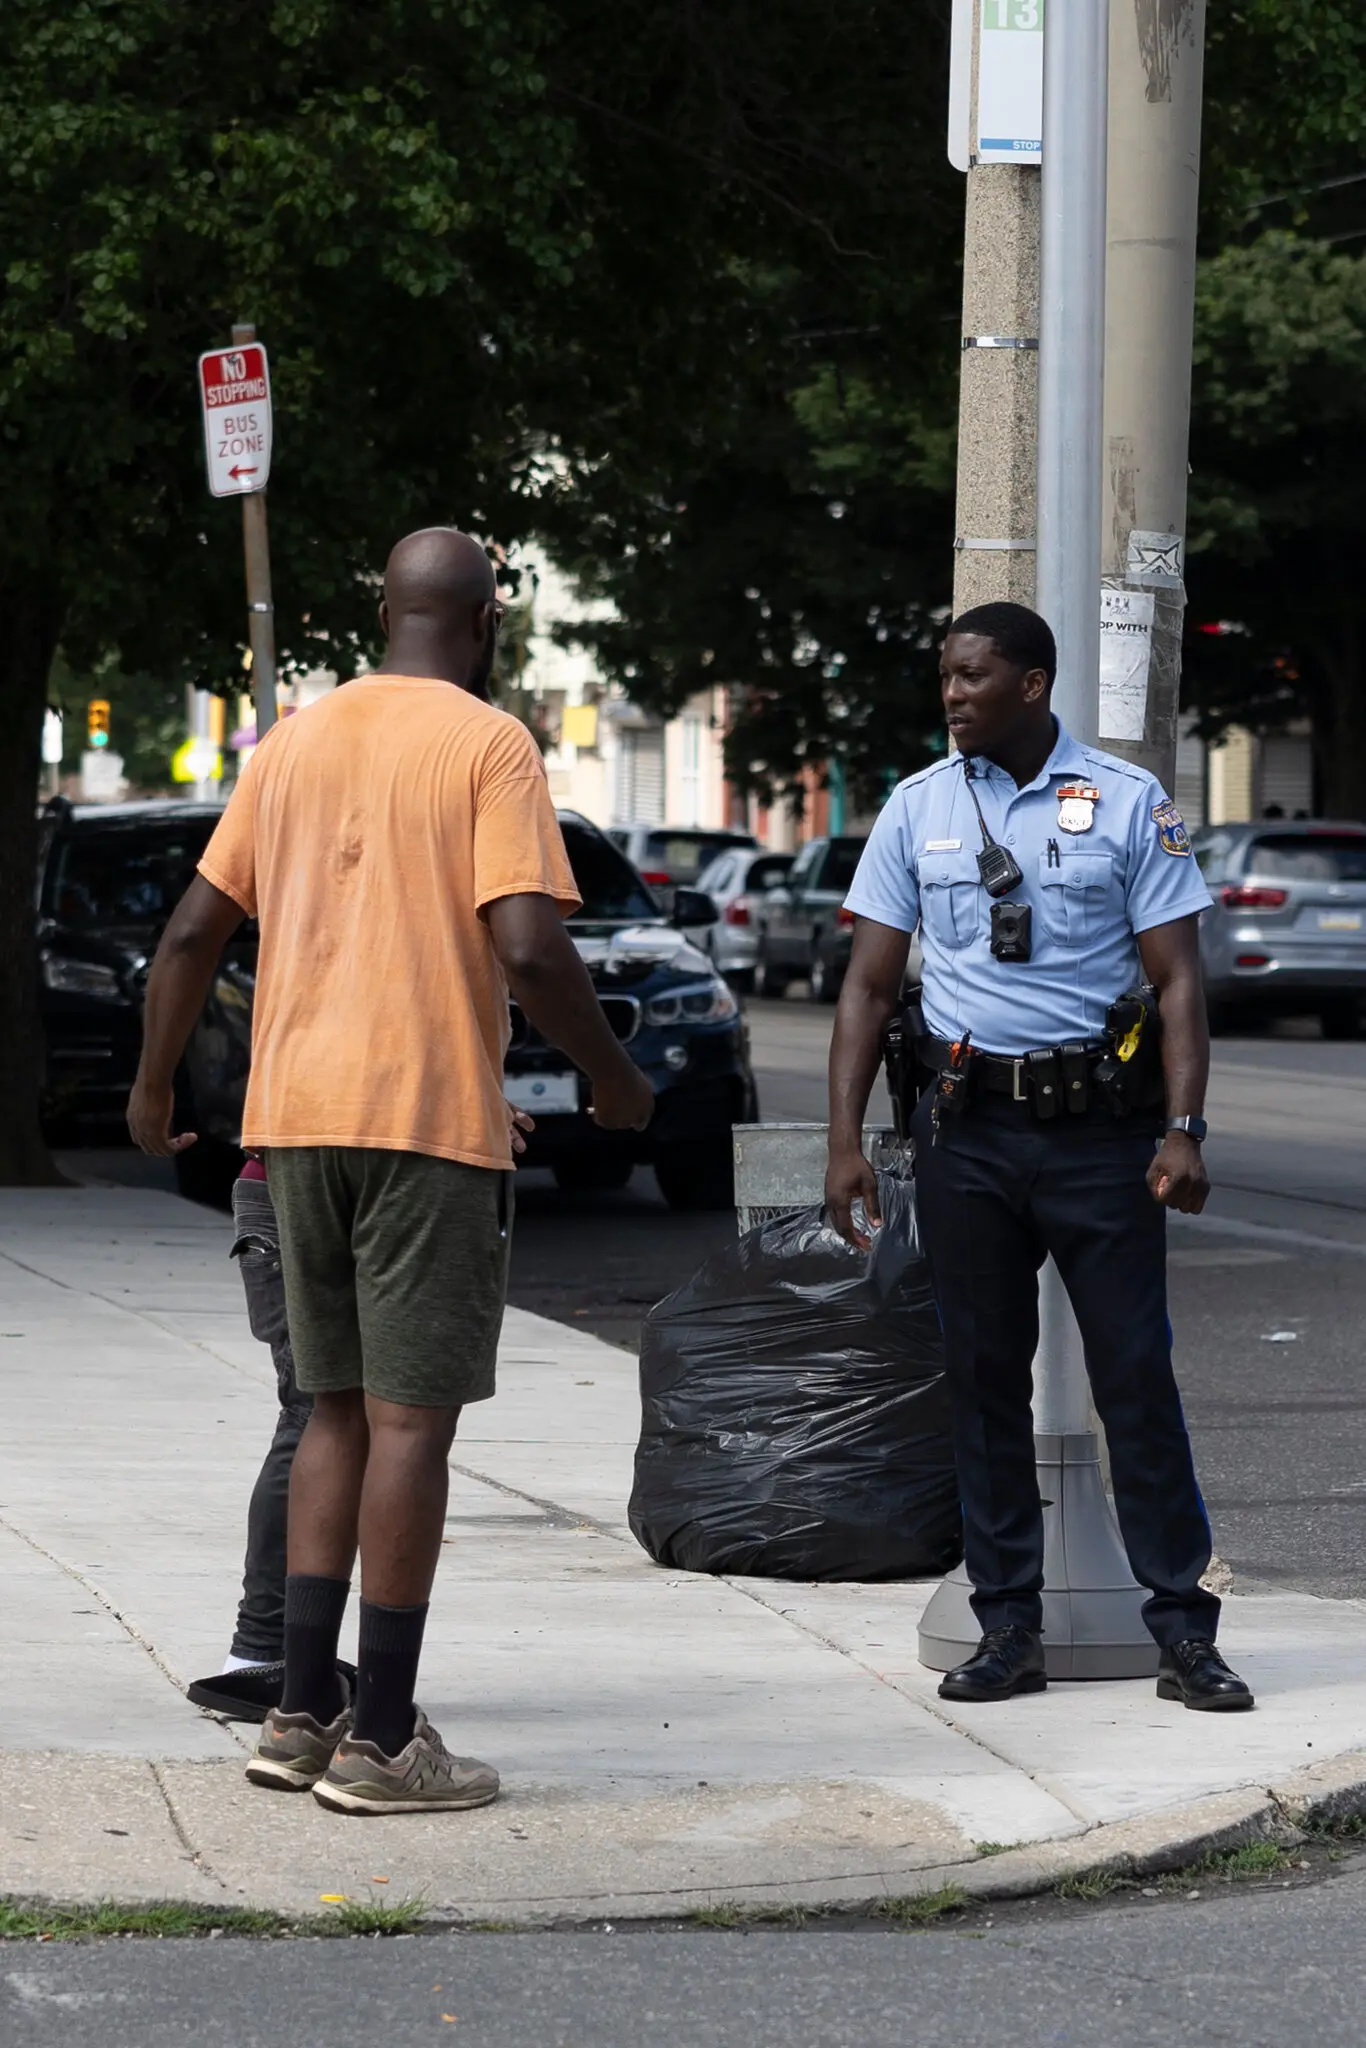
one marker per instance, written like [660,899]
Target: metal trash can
[780,1168]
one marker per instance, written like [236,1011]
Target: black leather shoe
[1007,1661]
[1194,1673]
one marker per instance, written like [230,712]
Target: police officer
[1047,880]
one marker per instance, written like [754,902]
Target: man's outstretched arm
[549,980]
[201,924]
[871,992]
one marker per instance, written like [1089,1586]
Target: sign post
[234,389]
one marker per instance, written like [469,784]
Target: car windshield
[1310,856]
[609,885]
[841,863]
[122,874]
[685,854]
[763,872]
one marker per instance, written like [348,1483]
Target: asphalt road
[1256,1967]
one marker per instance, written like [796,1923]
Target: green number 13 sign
[998,14]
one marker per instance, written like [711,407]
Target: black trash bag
[795,1417]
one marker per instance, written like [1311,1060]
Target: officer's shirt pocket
[1078,896]
[951,897]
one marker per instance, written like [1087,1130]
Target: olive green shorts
[395,1269]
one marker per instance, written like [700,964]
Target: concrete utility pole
[998,393]
[1156,83]
[260,605]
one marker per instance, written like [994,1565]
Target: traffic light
[97,722]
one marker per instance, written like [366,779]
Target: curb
[1327,1793]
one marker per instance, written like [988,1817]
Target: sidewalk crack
[561,1517]
[182,1834]
[936,1713]
[89,1586]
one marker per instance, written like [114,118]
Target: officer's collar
[1067,758]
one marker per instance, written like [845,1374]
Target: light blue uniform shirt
[1091,892]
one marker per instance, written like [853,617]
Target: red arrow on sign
[236,471]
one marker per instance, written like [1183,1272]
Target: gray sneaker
[293,1750]
[423,1778]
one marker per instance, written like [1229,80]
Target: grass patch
[1229,1866]
[1350,1827]
[20,1922]
[1095,1884]
[922,1909]
[725,1915]
[992,1848]
[359,1916]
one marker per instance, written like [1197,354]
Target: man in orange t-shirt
[398,846]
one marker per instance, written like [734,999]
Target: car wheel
[1220,1016]
[770,983]
[697,1176]
[1341,1018]
[592,1173]
[741,979]
[825,981]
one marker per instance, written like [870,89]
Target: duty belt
[1051,1080]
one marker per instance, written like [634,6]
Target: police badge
[1172,835]
[1077,807]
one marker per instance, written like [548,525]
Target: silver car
[1287,934]
[735,881]
[670,857]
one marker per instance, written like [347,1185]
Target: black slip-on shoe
[1007,1661]
[249,1694]
[1195,1673]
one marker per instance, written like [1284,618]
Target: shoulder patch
[1098,758]
[1172,835]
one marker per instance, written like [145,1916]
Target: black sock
[313,1617]
[390,1647]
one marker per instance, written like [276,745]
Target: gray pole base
[1092,1627]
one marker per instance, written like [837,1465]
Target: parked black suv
[109,877]
[664,999]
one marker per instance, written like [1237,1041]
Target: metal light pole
[1092,1624]
[260,603]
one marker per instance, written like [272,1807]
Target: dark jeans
[995,1196]
[260,1632]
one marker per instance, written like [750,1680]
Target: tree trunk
[28,639]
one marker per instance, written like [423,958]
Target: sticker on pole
[234,392]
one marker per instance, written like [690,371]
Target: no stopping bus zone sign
[234,392]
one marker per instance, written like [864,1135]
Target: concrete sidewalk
[665,1741]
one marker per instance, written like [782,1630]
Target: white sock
[240,1664]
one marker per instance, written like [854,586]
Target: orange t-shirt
[367,834]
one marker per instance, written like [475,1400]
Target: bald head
[440,608]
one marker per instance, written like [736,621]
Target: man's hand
[150,1114]
[849,1178]
[1177,1176]
[626,1102]
[518,1121]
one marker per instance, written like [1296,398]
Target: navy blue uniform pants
[996,1195]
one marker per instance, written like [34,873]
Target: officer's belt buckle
[1018,1091]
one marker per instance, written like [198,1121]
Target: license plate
[1339,920]
[543,1094]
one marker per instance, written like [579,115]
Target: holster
[1130,1074]
[905,1074]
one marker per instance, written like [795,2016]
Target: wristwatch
[1194,1127]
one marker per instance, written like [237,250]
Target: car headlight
[80,978]
[698,1002]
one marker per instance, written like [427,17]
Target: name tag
[943,845]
